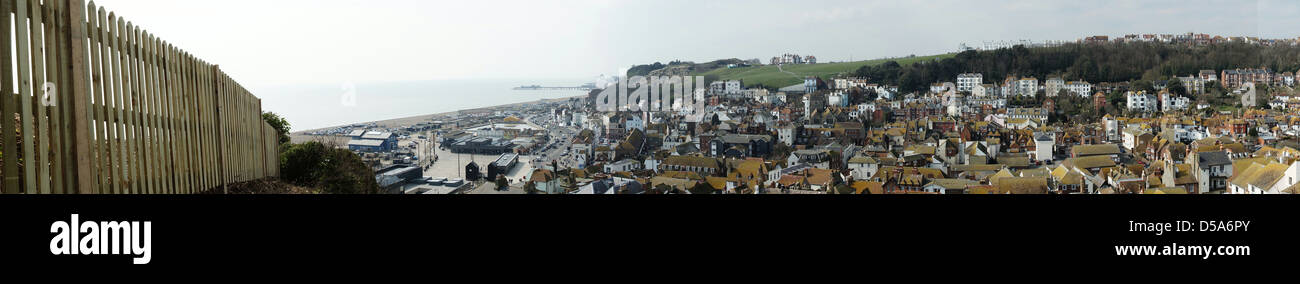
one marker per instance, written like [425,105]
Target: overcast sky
[279,42]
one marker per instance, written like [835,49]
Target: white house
[1169,102]
[1028,86]
[837,98]
[1130,139]
[635,122]
[1079,88]
[863,167]
[1289,177]
[1045,145]
[1141,101]
[981,90]
[785,134]
[938,88]
[734,87]
[1053,86]
[1111,126]
[968,81]
[625,165]
[757,94]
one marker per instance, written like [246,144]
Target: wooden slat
[82,59]
[119,131]
[130,98]
[25,90]
[150,112]
[170,111]
[99,65]
[8,106]
[52,162]
[41,122]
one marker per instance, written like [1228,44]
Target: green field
[768,76]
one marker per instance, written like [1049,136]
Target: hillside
[770,76]
[1140,63]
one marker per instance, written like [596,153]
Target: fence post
[79,96]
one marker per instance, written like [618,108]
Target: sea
[319,106]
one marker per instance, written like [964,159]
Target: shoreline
[411,120]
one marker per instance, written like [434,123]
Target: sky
[285,42]
[301,56]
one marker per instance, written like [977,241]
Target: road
[560,142]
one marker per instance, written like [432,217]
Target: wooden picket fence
[99,105]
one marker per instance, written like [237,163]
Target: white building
[1053,86]
[938,88]
[863,167]
[981,90]
[625,165]
[1141,101]
[1170,103]
[734,87]
[884,92]
[1111,126]
[837,98]
[1045,146]
[1027,86]
[1079,88]
[635,122]
[968,81]
[757,94]
[1027,113]
[847,83]
[717,88]
[785,134]
[1290,177]
[1131,137]
[1194,85]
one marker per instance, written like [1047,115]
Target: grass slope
[770,77]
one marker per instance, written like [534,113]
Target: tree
[663,188]
[501,182]
[530,187]
[278,123]
[836,161]
[326,168]
[570,183]
[702,188]
[836,179]
[1176,87]
[780,151]
[1143,86]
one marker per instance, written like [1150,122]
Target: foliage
[280,124]
[781,151]
[501,182]
[531,187]
[702,188]
[328,169]
[1110,62]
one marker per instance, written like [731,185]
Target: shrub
[328,169]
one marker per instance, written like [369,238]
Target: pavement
[451,165]
[562,139]
[447,165]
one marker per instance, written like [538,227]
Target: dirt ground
[264,186]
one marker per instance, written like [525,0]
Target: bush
[328,169]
